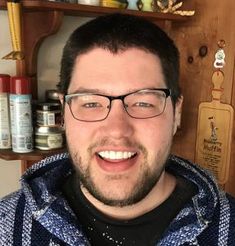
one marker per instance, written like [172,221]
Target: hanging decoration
[215,124]
[171,6]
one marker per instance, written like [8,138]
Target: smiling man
[118,184]
[120,152]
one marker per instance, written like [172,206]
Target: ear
[178,110]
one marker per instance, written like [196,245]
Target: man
[118,185]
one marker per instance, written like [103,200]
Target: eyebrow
[98,91]
[86,90]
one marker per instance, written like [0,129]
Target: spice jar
[48,138]
[48,114]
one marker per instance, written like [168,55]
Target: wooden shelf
[72,9]
[36,155]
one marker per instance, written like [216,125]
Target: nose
[118,124]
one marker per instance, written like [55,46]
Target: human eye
[142,100]
[143,105]
[90,102]
[91,105]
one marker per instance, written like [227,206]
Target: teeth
[116,155]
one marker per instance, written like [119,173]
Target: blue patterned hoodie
[38,214]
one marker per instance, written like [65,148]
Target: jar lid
[20,85]
[4,83]
[49,130]
[52,95]
[47,106]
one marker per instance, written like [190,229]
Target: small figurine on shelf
[89,2]
[148,5]
[133,4]
[121,4]
[171,6]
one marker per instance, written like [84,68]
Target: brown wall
[213,20]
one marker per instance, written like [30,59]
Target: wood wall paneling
[213,21]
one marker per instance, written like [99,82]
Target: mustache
[125,142]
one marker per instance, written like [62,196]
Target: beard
[146,180]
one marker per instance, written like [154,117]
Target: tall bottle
[5,133]
[21,115]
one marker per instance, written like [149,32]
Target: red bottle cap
[20,85]
[4,83]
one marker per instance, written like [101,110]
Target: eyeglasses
[141,104]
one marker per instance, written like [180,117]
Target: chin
[120,194]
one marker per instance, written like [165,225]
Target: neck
[160,192]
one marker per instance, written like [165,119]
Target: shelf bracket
[36,27]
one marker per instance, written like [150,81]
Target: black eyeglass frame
[121,97]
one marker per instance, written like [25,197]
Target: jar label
[22,143]
[55,141]
[45,118]
[5,140]
[50,141]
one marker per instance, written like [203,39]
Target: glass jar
[49,138]
[48,114]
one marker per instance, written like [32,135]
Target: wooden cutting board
[214,132]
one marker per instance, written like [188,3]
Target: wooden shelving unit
[36,155]
[73,9]
[40,19]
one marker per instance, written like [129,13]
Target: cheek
[157,132]
[155,143]
[77,132]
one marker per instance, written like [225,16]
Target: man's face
[133,151]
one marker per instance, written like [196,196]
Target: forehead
[127,70]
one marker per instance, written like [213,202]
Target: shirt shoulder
[231,220]
[231,202]
[8,210]
[9,201]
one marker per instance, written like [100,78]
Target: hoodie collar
[42,181]
[41,186]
